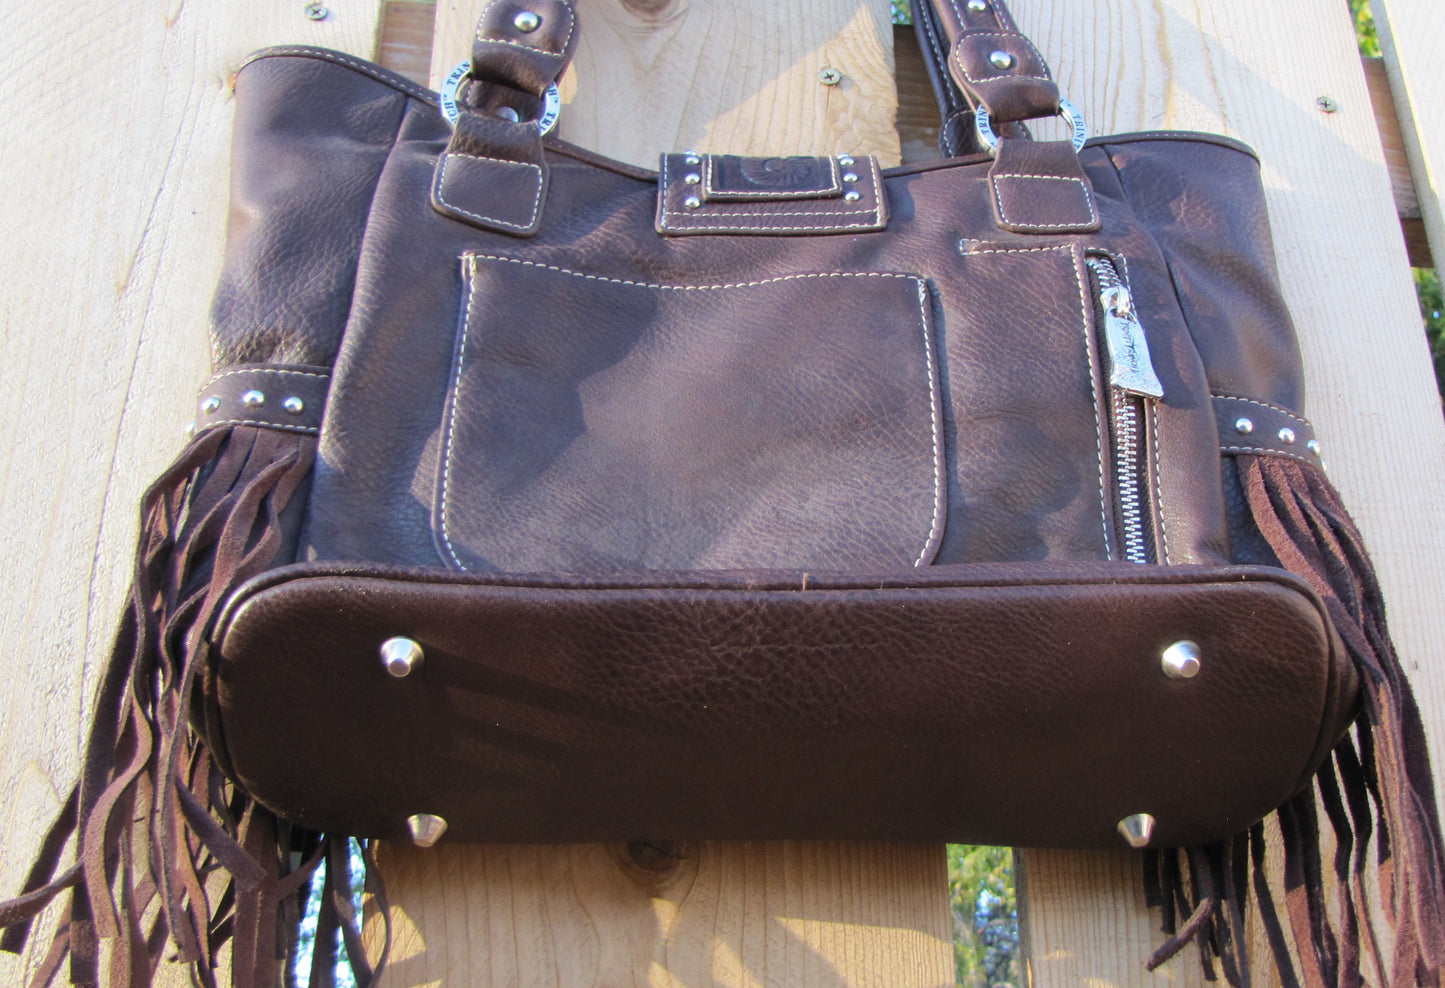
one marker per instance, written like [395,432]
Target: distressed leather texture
[814,498]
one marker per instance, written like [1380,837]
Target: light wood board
[1255,70]
[1412,35]
[114,166]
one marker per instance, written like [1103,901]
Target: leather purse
[539,497]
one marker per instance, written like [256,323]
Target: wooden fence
[114,170]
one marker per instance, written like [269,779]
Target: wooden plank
[664,75]
[1411,34]
[115,161]
[794,913]
[406,32]
[1255,69]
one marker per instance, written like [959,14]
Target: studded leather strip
[1249,426]
[291,399]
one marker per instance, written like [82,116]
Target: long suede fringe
[166,847]
[1377,784]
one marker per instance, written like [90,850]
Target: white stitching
[686,221]
[1159,483]
[395,82]
[469,291]
[1264,404]
[461,356]
[262,370]
[571,27]
[442,182]
[203,426]
[939,464]
[1269,450]
[1003,213]
[958,57]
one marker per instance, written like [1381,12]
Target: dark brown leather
[529,60]
[820,706]
[571,392]
[275,396]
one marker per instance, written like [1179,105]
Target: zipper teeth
[1124,414]
[1126,467]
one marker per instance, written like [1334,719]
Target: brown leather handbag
[539,497]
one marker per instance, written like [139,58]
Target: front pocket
[596,424]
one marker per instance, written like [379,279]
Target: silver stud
[691,158]
[1244,426]
[1001,60]
[508,114]
[191,428]
[253,399]
[426,828]
[850,177]
[1286,436]
[977,5]
[692,178]
[1313,446]
[852,195]
[526,21]
[846,160]
[401,656]
[1180,660]
[294,405]
[692,202]
[830,77]
[1137,829]
[317,11]
[210,404]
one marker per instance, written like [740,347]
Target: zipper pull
[1130,368]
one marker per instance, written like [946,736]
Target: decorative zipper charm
[1130,368]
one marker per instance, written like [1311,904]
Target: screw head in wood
[830,77]
[426,828]
[401,656]
[1180,660]
[1327,104]
[1137,829]
[317,11]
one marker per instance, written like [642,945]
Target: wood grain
[115,171]
[737,77]
[1412,33]
[1255,70]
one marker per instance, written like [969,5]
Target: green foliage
[985,916]
[1365,34]
[901,14]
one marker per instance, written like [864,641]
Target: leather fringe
[166,847]
[1376,784]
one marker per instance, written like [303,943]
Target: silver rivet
[692,178]
[317,11]
[692,202]
[1327,104]
[830,77]
[1313,446]
[1244,426]
[1181,660]
[426,828]
[691,158]
[508,114]
[294,405]
[850,177]
[846,160]
[253,399]
[1286,436]
[852,195]
[977,5]
[526,22]
[1001,60]
[210,404]
[191,428]
[1137,829]
[401,656]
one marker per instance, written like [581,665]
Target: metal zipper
[1132,382]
